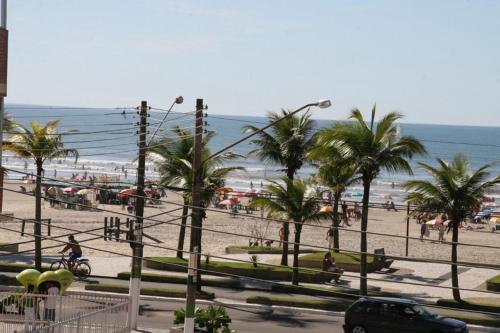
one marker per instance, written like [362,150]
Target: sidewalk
[431,276]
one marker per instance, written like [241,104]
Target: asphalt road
[160,315]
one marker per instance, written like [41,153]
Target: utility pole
[195,239]
[4,38]
[137,247]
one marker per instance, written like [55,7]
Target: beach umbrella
[84,191]
[52,190]
[433,222]
[127,191]
[226,202]
[327,209]
[70,190]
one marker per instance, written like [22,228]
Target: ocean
[107,143]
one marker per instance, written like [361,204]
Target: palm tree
[290,203]
[287,145]
[337,174]
[41,143]
[371,151]
[454,190]
[174,156]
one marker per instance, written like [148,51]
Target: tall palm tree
[371,150]
[286,144]
[455,190]
[173,157]
[291,203]
[337,174]
[40,143]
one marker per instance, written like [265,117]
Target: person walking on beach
[441,229]
[423,231]
[329,238]
[281,235]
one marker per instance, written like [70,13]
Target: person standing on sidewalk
[329,238]
[30,303]
[50,303]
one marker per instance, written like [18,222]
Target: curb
[484,328]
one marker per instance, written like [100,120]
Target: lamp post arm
[258,131]
[161,123]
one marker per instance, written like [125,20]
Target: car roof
[391,300]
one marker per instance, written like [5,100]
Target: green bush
[163,292]
[469,305]
[212,318]
[262,271]
[493,284]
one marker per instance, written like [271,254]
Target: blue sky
[434,61]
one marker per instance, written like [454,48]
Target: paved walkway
[429,276]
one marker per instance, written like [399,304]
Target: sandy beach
[380,221]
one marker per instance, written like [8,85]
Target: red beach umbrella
[226,202]
[327,209]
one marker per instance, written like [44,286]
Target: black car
[385,314]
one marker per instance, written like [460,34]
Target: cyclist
[76,251]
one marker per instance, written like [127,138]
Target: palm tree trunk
[454,267]
[284,253]
[38,216]
[286,230]
[182,231]
[336,241]
[295,272]
[363,283]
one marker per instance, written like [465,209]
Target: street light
[177,100]
[322,104]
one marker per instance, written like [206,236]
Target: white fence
[69,313]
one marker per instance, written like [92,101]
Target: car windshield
[423,311]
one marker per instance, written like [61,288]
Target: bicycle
[81,267]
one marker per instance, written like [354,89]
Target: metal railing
[74,312]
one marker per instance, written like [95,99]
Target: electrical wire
[305,269]
[274,220]
[292,243]
[245,277]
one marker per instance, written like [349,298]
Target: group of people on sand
[439,226]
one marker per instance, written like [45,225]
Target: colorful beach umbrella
[226,202]
[326,209]
[128,191]
[433,222]
[84,191]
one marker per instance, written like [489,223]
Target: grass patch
[329,305]
[164,292]
[8,281]
[493,284]
[470,305]
[16,268]
[262,250]
[162,278]
[262,271]
[473,319]
[340,258]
